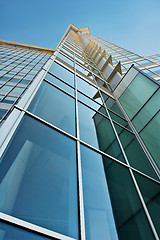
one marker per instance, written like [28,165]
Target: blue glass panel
[8,232]
[62,73]
[59,83]
[99,218]
[38,180]
[55,107]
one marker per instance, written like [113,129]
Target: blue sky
[134,25]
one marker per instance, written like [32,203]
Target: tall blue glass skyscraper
[79,141]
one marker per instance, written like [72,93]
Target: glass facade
[79,144]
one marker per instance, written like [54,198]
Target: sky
[134,25]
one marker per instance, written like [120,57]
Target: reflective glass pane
[59,84]
[119,120]
[62,73]
[111,104]
[134,152]
[131,221]
[9,232]
[147,112]
[38,181]
[151,194]
[151,136]
[55,107]
[88,101]
[97,131]
[86,88]
[99,218]
[137,93]
[65,59]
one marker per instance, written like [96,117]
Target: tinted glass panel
[99,218]
[134,152]
[147,112]
[8,232]
[97,131]
[88,101]
[151,194]
[59,83]
[62,73]
[137,93]
[38,181]
[65,59]
[55,107]
[86,88]
[151,136]
[129,215]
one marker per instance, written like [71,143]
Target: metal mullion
[31,68]
[94,83]
[68,50]
[80,182]
[124,77]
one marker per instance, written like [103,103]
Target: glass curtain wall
[74,166]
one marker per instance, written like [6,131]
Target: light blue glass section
[59,83]
[62,73]
[88,101]
[38,180]
[99,218]
[55,107]
[86,88]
